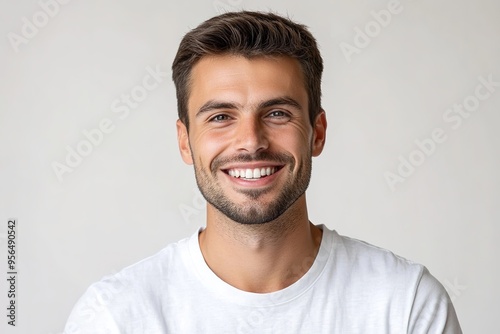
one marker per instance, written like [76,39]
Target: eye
[277,113]
[278,116]
[219,118]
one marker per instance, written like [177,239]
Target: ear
[319,134]
[183,141]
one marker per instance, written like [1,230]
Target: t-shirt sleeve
[91,313]
[432,310]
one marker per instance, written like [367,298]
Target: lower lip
[254,183]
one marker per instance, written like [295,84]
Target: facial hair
[254,211]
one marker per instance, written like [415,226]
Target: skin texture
[246,114]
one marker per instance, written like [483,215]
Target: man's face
[250,138]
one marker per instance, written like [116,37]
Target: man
[250,121]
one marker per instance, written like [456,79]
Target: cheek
[296,140]
[206,146]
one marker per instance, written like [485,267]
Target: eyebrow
[285,100]
[216,105]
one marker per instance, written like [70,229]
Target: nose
[251,136]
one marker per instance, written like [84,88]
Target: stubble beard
[254,211]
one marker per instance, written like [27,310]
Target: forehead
[245,80]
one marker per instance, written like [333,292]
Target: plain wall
[132,195]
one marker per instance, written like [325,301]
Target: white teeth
[255,173]
[248,174]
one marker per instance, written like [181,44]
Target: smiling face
[250,138]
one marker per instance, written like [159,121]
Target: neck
[261,257]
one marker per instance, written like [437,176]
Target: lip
[251,165]
[253,183]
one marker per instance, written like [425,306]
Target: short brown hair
[249,34]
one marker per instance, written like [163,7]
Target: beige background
[132,194]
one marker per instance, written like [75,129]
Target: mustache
[280,158]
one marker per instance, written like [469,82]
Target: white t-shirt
[352,287]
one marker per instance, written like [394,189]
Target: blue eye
[219,118]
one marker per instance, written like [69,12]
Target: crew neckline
[225,291]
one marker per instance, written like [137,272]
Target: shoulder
[126,293]
[364,256]
[356,265]
[381,277]
[145,274]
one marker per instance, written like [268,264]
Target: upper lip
[251,165]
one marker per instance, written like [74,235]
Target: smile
[255,173]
